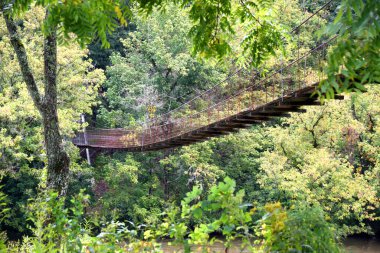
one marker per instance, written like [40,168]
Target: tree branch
[22,57]
[249,11]
[320,117]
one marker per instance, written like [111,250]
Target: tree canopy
[302,182]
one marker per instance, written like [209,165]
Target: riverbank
[352,244]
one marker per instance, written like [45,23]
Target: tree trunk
[58,160]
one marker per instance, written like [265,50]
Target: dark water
[362,245]
[352,245]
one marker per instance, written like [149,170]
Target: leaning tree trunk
[58,160]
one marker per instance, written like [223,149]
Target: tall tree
[22,153]
[59,17]
[58,159]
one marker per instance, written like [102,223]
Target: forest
[189,126]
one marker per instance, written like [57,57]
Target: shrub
[300,229]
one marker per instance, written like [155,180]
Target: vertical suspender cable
[85,140]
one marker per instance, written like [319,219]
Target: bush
[300,229]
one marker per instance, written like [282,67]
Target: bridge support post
[85,140]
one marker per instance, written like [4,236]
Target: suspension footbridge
[244,99]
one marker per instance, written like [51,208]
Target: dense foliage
[157,72]
[214,23]
[192,226]
[326,157]
[358,46]
[297,184]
